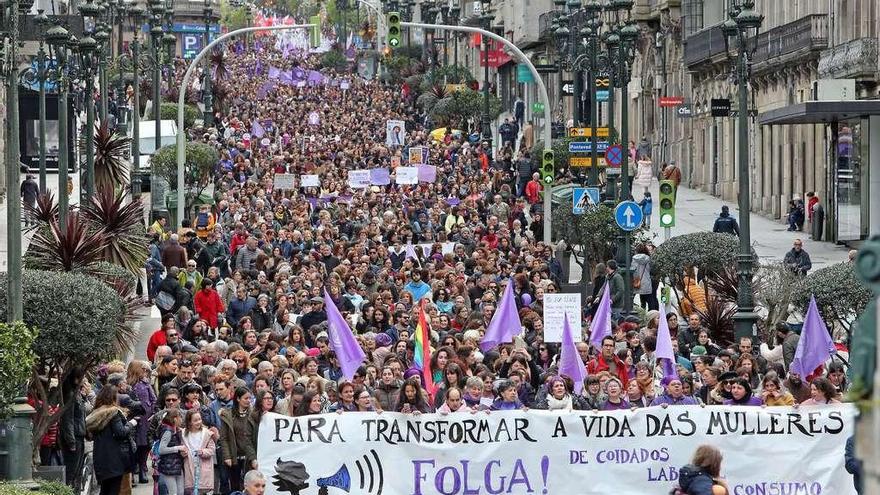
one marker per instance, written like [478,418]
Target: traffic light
[667,203]
[315,31]
[547,167]
[394,30]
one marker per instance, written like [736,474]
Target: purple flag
[342,341]
[600,327]
[274,73]
[570,363]
[815,345]
[259,67]
[664,346]
[411,252]
[257,130]
[505,322]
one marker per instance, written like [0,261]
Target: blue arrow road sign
[586,146]
[628,215]
[603,95]
[583,198]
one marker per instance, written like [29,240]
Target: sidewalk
[696,211]
[52,184]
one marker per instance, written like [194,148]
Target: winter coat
[112,446]
[696,297]
[239,308]
[230,445]
[598,365]
[725,224]
[147,397]
[196,461]
[615,280]
[641,267]
[387,396]
[694,481]
[208,305]
[170,445]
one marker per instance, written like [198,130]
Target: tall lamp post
[88,47]
[208,97]
[486,17]
[38,75]
[740,34]
[133,62]
[61,45]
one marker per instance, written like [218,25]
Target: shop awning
[818,112]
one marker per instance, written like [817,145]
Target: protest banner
[358,179]
[284,181]
[310,180]
[427,173]
[395,133]
[407,175]
[414,155]
[380,177]
[555,308]
[766,451]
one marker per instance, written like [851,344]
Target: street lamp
[208,98]
[486,16]
[740,33]
[133,62]
[87,48]
[38,75]
[60,43]
[156,12]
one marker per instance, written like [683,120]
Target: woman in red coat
[207,303]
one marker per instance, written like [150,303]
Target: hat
[383,340]
[698,350]
[669,379]
[411,373]
[317,299]
[727,375]
[189,348]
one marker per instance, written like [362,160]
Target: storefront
[852,177]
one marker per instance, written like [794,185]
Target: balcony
[797,40]
[544,21]
[705,46]
[855,59]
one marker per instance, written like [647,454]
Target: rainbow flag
[423,350]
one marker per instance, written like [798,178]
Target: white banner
[556,306]
[310,180]
[766,451]
[407,175]
[358,179]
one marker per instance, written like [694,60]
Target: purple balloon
[526,299]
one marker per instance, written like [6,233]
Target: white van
[147,144]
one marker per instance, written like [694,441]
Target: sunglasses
[171,399]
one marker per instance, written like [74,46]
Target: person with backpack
[703,475]
[171,453]
[205,221]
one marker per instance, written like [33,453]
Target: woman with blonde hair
[198,467]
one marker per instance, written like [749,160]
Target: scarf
[554,404]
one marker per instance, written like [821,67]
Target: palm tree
[111,165]
[122,225]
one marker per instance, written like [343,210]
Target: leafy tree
[710,253]
[460,106]
[16,362]
[447,74]
[77,316]
[233,17]
[335,60]
[840,294]
[592,236]
[168,111]
[199,163]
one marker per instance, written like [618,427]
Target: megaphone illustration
[341,480]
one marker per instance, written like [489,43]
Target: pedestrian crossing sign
[583,198]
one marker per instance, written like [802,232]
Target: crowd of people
[244,327]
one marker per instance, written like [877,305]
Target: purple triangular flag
[342,341]
[600,327]
[664,346]
[570,363]
[257,130]
[505,324]
[815,345]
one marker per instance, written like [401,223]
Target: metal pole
[155,38]
[181,141]
[102,81]
[624,180]
[88,181]
[63,148]
[13,178]
[594,113]
[41,77]
[745,317]
[208,115]
[136,118]
[487,130]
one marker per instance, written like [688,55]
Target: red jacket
[598,365]
[236,242]
[158,338]
[533,192]
[207,304]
